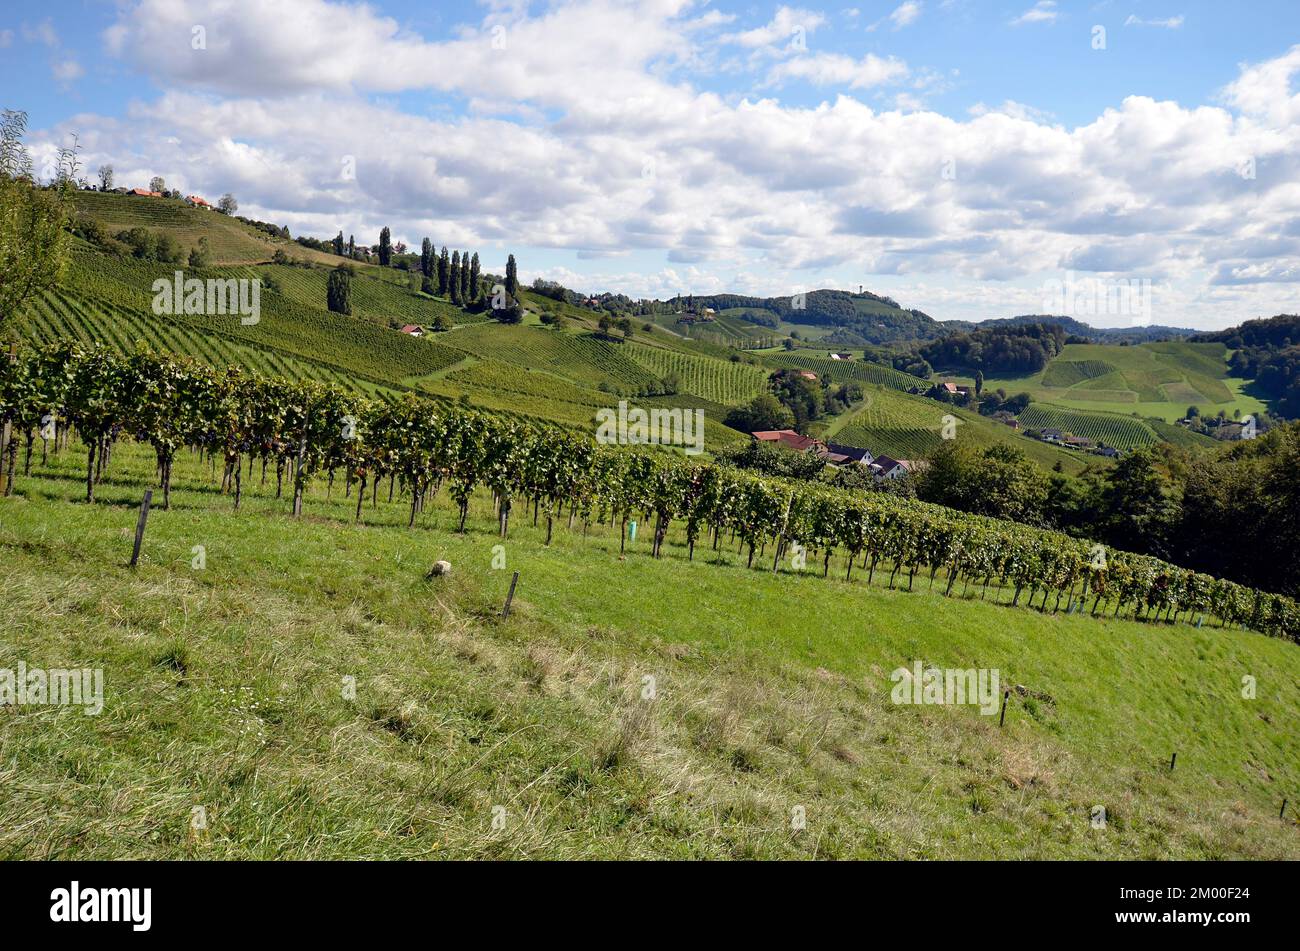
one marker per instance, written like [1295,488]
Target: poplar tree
[426,258]
[444,272]
[455,278]
[512,277]
[385,246]
[474,289]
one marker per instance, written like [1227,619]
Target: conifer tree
[512,277]
[426,258]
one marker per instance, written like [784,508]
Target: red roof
[808,374]
[789,438]
[950,387]
[412,329]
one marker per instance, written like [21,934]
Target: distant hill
[1077,328]
[1267,352]
[873,318]
[867,319]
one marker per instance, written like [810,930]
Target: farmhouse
[949,387]
[1053,435]
[197,202]
[860,456]
[889,470]
[144,192]
[790,439]
[1079,442]
[808,375]
[415,330]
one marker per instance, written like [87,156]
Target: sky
[1123,161]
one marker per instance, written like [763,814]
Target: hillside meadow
[227,692]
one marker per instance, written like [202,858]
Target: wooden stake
[511,596]
[1006,695]
[1172,760]
[139,526]
[1282,812]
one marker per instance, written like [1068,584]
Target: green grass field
[629,708]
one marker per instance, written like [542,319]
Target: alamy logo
[1096,297]
[209,297]
[934,685]
[82,687]
[658,427]
[103,904]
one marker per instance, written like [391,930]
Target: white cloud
[783,28]
[66,69]
[905,13]
[6,38]
[42,33]
[1044,11]
[827,69]
[1169,23]
[746,193]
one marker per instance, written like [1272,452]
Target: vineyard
[1154,380]
[1122,432]
[715,380]
[307,431]
[906,426]
[1069,372]
[113,305]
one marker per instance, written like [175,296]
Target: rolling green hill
[1159,380]
[898,424]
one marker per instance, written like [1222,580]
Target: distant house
[790,439]
[835,458]
[949,387]
[144,192]
[197,202]
[860,456]
[1079,442]
[966,390]
[415,330]
[1230,431]
[808,375]
[841,356]
[1109,452]
[1053,435]
[887,469]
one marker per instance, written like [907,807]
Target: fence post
[139,526]
[511,596]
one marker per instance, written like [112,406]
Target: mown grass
[225,691]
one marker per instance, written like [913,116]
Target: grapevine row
[307,429]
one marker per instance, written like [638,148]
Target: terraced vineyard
[842,371]
[62,316]
[1122,432]
[1069,372]
[112,303]
[716,380]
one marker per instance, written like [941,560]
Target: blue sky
[960,156]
